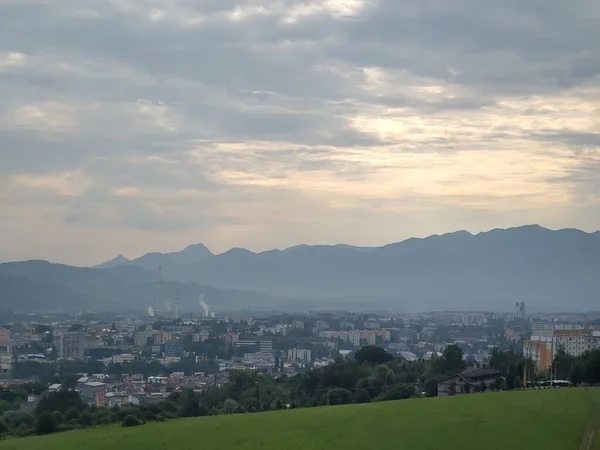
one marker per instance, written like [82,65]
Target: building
[122,359]
[140,338]
[547,339]
[468,381]
[160,337]
[174,348]
[354,338]
[72,345]
[203,335]
[520,310]
[245,343]
[5,363]
[5,347]
[540,352]
[120,399]
[93,393]
[299,354]
[573,342]
[229,339]
[298,324]
[265,346]
[320,326]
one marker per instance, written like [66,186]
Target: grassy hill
[531,420]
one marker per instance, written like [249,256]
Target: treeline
[578,370]
[374,375]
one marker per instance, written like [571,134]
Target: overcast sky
[129,126]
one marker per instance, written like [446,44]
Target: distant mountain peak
[117,261]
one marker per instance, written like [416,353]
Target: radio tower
[158,289]
[176,303]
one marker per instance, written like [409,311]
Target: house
[467,381]
[93,393]
[31,404]
[120,399]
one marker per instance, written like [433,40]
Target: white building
[124,358]
[299,354]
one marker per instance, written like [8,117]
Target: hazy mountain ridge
[460,270]
[41,285]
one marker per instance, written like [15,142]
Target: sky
[129,126]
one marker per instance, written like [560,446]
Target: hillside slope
[527,420]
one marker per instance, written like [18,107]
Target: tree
[131,421]
[62,401]
[230,406]
[562,365]
[361,396]
[482,386]
[188,404]
[453,359]
[70,381]
[372,354]
[339,396]
[46,424]
[58,417]
[3,429]
[431,387]
[399,391]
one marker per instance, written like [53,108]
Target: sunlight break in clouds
[130,126]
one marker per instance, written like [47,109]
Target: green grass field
[546,419]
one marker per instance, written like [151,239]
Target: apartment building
[547,339]
[540,352]
[299,354]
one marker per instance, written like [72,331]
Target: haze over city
[128,126]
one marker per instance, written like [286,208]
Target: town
[115,360]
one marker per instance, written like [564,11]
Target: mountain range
[548,270]
[34,286]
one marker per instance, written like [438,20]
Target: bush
[3,429]
[58,417]
[131,421]
[85,419]
[46,424]
[361,396]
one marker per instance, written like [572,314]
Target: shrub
[131,421]
[46,424]
[3,429]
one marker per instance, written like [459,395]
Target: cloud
[130,126]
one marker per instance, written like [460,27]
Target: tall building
[72,345]
[540,352]
[573,342]
[520,310]
[5,341]
[174,348]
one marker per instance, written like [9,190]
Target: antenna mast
[176,303]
